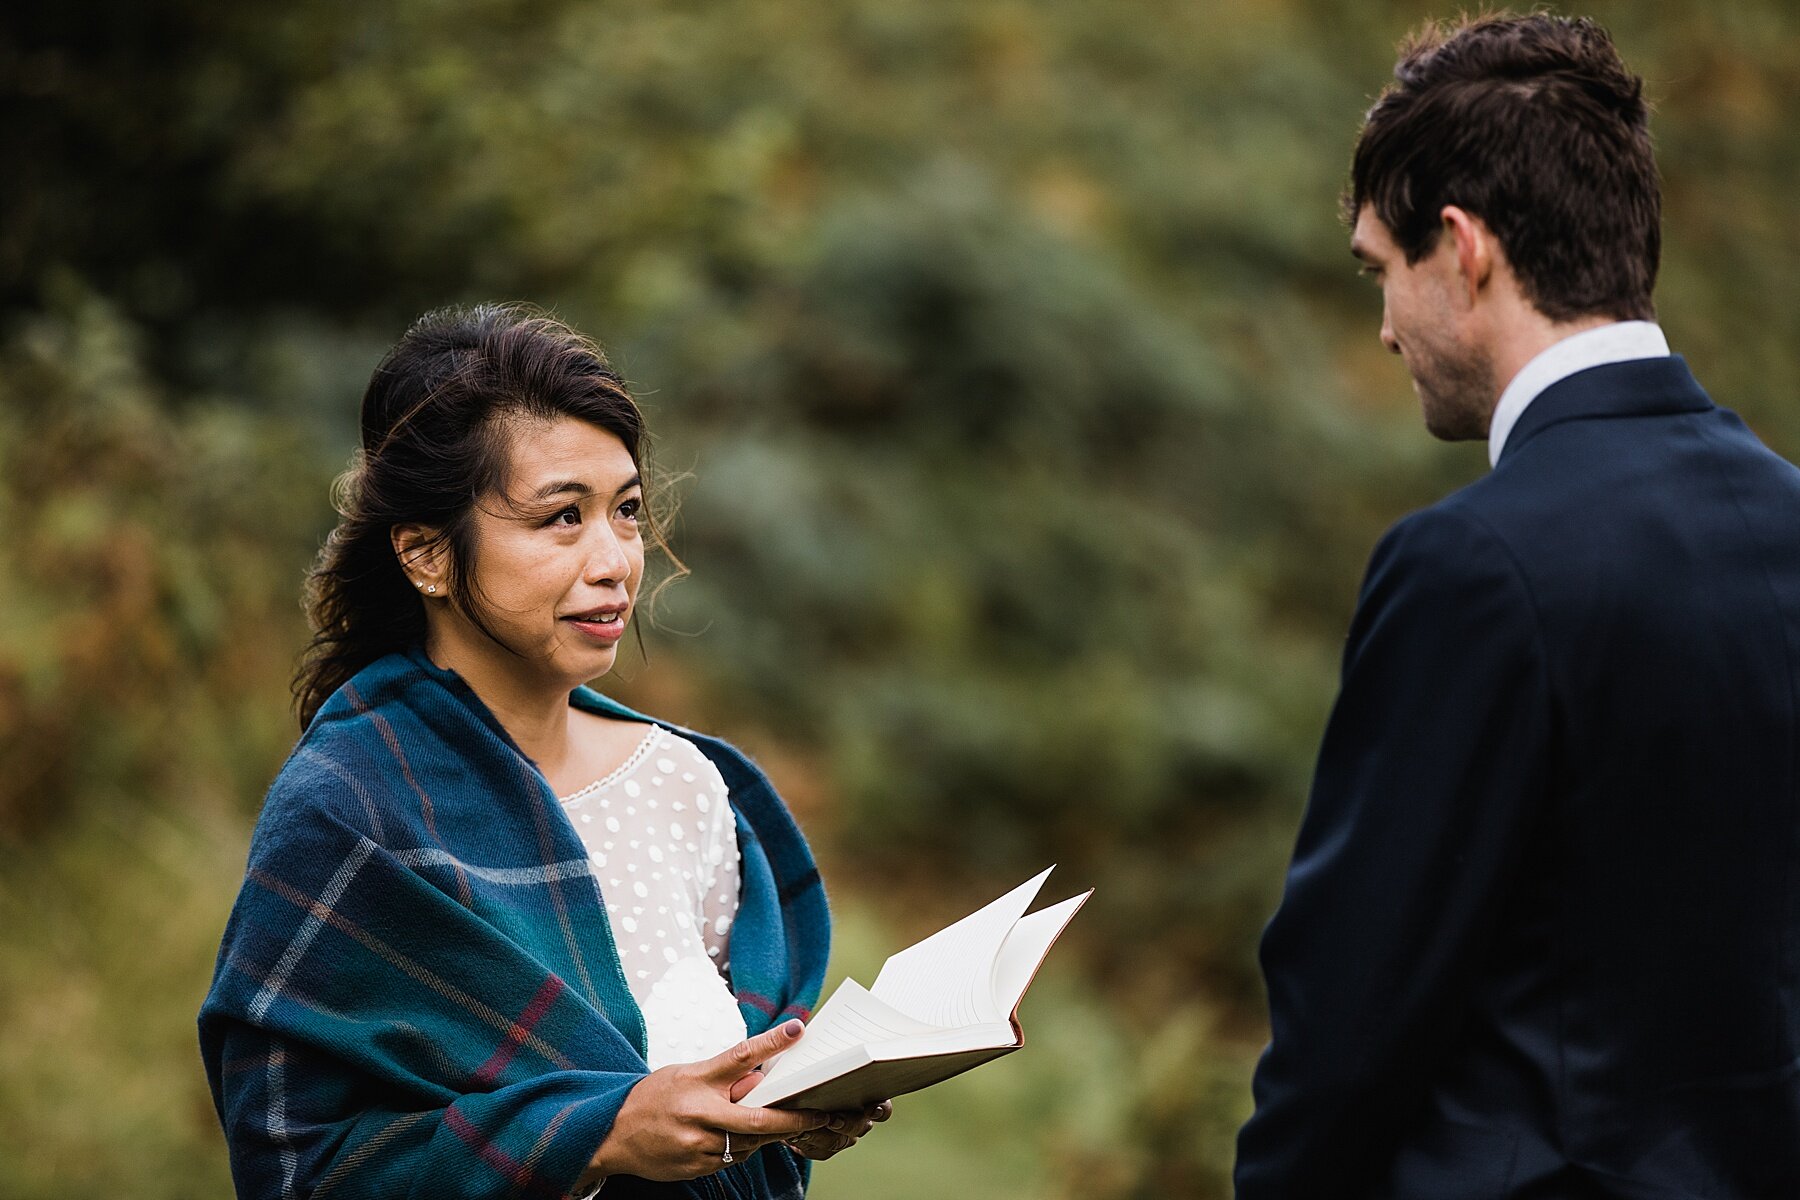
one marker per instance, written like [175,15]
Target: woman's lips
[608,630]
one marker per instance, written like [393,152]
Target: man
[1541,934]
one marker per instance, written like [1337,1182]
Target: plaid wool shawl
[417,994]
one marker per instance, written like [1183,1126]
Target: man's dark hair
[1535,125]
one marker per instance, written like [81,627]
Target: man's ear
[422,556]
[1474,246]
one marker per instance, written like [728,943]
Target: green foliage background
[1027,418]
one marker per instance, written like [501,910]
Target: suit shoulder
[1451,537]
[1451,562]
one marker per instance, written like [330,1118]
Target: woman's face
[558,560]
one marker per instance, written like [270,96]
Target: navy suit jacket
[1541,933]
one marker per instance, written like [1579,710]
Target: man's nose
[1387,335]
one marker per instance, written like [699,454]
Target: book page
[948,979]
[1025,948]
[851,1018]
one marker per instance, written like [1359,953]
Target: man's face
[1426,320]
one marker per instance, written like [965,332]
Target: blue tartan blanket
[417,994]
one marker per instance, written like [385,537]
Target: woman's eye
[568,516]
[632,509]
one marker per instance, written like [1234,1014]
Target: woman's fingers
[746,1085]
[853,1125]
[820,1144]
[769,1122]
[731,1065]
[817,1135]
[674,1121]
[856,1122]
[744,1143]
[841,1131]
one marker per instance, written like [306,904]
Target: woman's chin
[591,664]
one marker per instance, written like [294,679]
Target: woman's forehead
[543,454]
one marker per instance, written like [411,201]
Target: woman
[421,990]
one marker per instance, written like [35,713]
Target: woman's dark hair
[1535,125]
[434,442]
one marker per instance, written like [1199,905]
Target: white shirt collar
[1622,341]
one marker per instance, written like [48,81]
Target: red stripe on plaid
[538,787]
[534,1012]
[393,744]
[442,987]
[766,1006]
[521,1176]
[762,1004]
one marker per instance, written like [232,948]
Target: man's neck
[1578,349]
[1525,336]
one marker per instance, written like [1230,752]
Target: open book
[939,1007]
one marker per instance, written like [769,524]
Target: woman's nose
[607,560]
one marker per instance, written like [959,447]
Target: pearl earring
[432,588]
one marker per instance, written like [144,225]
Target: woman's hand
[674,1121]
[840,1131]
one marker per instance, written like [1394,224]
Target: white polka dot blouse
[660,834]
